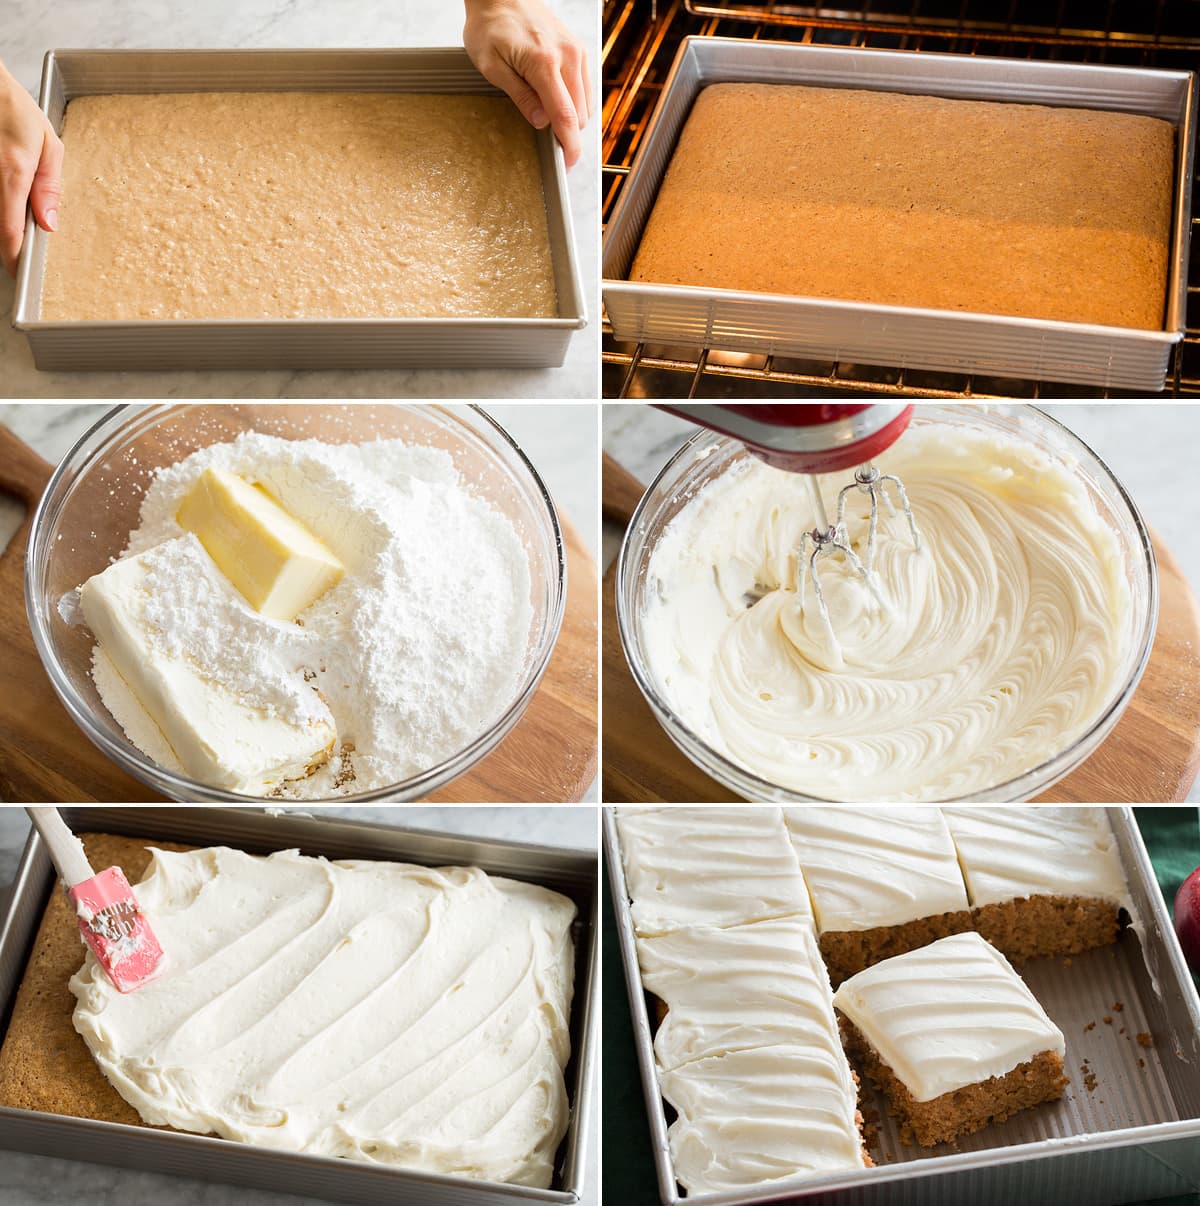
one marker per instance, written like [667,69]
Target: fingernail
[52,218]
[538,117]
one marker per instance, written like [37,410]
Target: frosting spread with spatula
[377,1011]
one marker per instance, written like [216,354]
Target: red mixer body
[806,437]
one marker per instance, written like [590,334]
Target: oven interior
[640,41]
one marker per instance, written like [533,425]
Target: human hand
[523,48]
[31,156]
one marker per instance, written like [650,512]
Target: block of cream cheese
[273,559]
[217,737]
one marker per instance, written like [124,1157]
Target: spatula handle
[66,850]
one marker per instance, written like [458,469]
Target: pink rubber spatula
[110,918]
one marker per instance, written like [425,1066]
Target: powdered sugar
[415,652]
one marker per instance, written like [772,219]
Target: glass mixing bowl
[91,505]
[707,455]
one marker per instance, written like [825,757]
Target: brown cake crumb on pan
[44,1064]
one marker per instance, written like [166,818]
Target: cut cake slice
[710,866]
[1041,881]
[749,1055]
[882,881]
[952,1037]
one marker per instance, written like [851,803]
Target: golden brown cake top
[919,201]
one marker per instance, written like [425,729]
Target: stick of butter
[279,566]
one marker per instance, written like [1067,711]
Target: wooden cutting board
[550,756]
[1152,756]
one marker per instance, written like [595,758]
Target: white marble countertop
[559,438]
[1140,441]
[27,1179]
[31,28]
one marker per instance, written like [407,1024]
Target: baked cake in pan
[896,199]
[378,1011]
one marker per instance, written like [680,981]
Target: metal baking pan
[1136,1136]
[904,336]
[571,872]
[294,343]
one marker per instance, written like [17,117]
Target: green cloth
[1172,836]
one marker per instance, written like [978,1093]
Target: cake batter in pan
[300,343]
[571,872]
[904,336]
[1135,1137]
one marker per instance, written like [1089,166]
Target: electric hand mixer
[815,438]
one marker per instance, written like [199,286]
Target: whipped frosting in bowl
[1004,652]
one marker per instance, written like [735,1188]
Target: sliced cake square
[710,866]
[952,1037]
[750,1056]
[882,881]
[1041,881]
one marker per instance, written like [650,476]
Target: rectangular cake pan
[571,872]
[903,336]
[293,343]
[1135,1137]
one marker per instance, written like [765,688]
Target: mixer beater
[829,538]
[819,438]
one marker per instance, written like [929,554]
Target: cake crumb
[1089,1026]
[1141,1063]
[1089,1077]
[1117,1007]
[1145,1040]
[1107,1019]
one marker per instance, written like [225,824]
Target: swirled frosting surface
[377,1011]
[948,1015]
[713,866]
[868,867]
[1002,641]
[749,1055]
[1011,853]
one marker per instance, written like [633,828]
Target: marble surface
[1140,441]
[31,28]
[26,1180]
[559,438]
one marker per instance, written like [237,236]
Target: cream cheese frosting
[744,986]
[950,1014]
[1010,853]
[742,1121]
[378,1011]
[1002,641]
[714,866]
[869,867]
